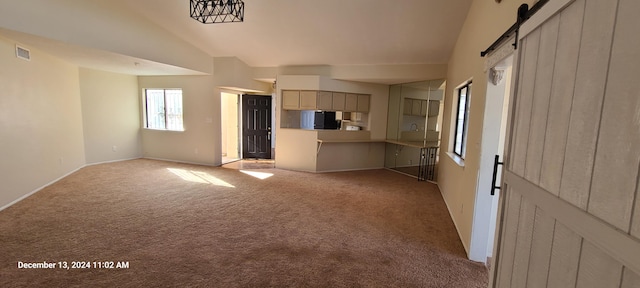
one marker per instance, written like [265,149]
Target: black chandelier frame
[217,11]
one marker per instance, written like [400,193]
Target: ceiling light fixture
[217,11]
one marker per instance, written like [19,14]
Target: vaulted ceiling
[327,32]
[275,33]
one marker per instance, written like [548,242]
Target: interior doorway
[493,140]
[229,127]
[256,126]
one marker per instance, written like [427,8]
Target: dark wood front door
[256,126]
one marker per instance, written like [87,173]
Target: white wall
[110,116]
[41,134]
[200,141]
[485,22]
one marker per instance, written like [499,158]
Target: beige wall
[113,28]
[110,114]
[41,137]
[200,140]
[229,128]
[485,22]
[296,149]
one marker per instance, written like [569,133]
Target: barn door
[570,211]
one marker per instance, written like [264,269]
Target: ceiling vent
[23,53]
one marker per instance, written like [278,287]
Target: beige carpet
[182,225]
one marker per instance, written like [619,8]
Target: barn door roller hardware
[524,13]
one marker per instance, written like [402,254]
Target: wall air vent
[23,53]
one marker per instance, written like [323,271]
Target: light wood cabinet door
[324,100]
[363,103]
[434,108]
[408,106]
[338,101]
[351,102]
[290,99]
[308,100]
[416,107]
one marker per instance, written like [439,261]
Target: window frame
[145,99]
[465,120]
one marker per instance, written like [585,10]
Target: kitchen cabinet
[351,102]
[338,101]
[290,99]
[308,100]
[408,106]
[363,103]
[434,108]
[423,108]
[325,100]
[416,107]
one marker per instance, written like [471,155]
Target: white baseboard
[111,161]
[466,249]
[38,189]
[349,170]
[184,162]
[58,179]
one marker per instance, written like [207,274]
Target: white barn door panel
[570,208]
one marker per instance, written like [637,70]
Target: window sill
[456,159]
[163,130]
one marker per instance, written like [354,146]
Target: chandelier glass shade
[217,11]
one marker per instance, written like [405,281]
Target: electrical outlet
[114,148]
[410,162]
[195,151]
[61,160]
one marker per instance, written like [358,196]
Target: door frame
[493,143]
[236,120]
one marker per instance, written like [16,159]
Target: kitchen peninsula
[360,106]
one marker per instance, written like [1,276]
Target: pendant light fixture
[217,11]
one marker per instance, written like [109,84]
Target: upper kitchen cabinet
[325,100]
[351,102]
[415,107]
[363,103]
[308,100]
[339,99]
[291,99]
[357,103]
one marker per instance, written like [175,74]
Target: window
[462,117]
[163,109]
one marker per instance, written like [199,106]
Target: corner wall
[110,113]
[41,133]
[485,22]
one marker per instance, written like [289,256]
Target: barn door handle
[496,162]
